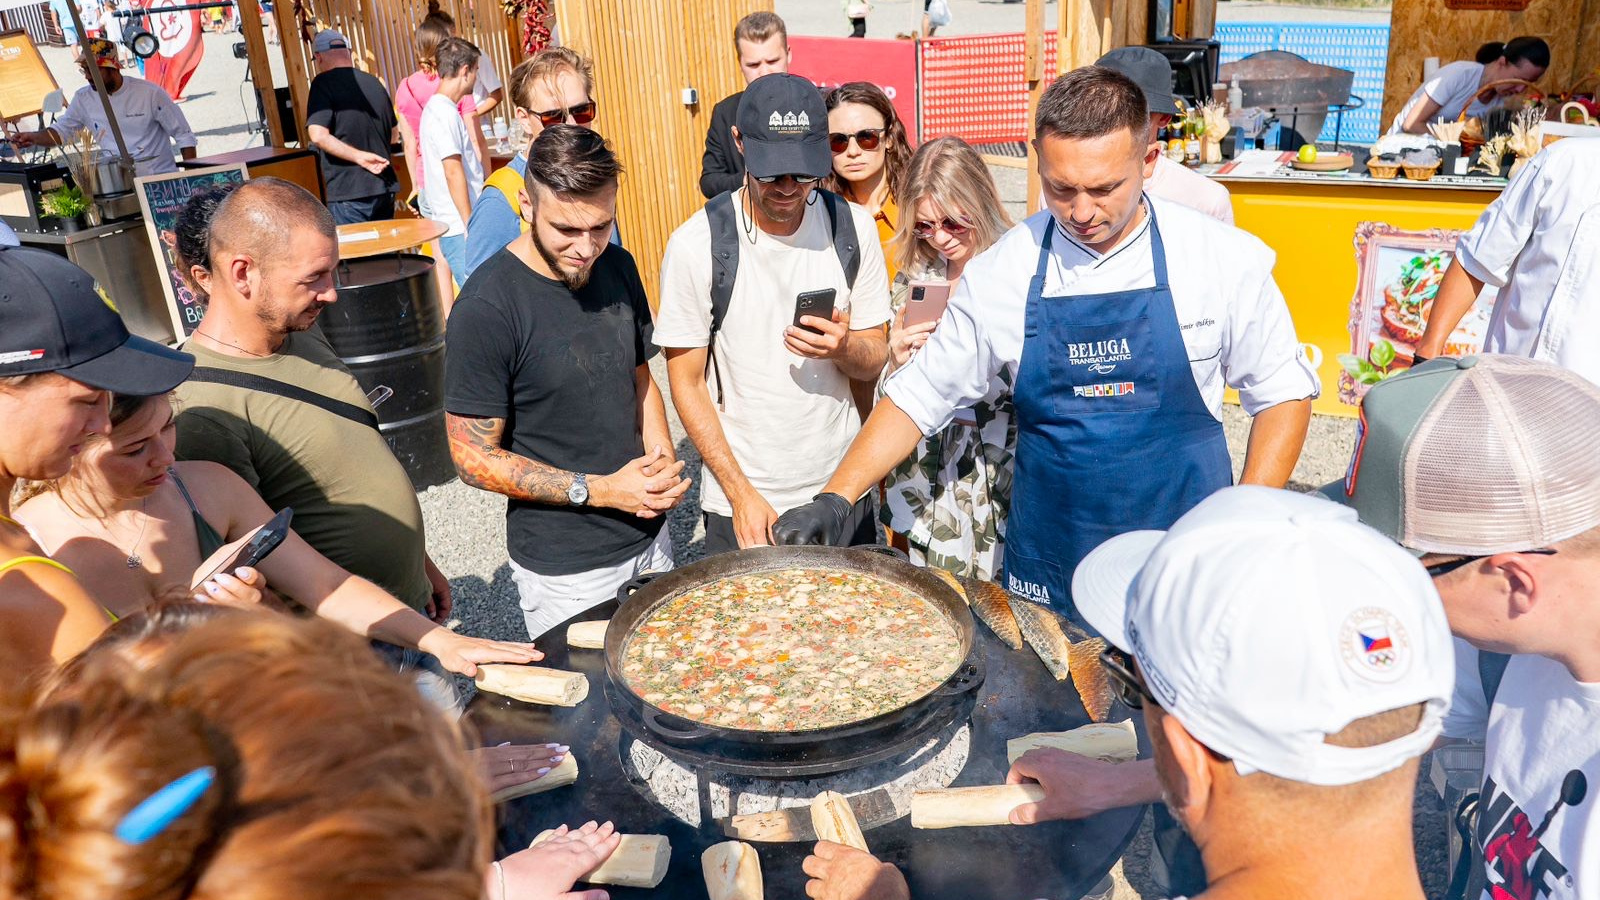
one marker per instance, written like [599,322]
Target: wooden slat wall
[380,33]
[645,53]
[1423,28]
[1089,29]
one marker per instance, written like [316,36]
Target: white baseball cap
[1267,620]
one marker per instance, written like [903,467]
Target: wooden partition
[379,32]
[1422,28]
[645,54]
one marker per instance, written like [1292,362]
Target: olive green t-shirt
[352,500]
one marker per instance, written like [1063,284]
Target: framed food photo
[1398,274]
[161,198]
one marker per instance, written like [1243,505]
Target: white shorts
[549,600]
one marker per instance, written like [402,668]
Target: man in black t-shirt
[351,120]
[548,391]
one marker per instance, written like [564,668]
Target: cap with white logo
[1267,620]
[783,124]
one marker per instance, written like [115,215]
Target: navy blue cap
[54,318]
[784,126]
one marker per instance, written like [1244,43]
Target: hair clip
[165,806]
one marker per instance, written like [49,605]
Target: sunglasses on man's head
[798,179]
[952,227]
[1128,685]
[582,114]
[866,139]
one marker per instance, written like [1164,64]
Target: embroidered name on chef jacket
[1109,389]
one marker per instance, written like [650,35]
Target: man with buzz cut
[1292,666]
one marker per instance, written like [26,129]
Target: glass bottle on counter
[1192,128]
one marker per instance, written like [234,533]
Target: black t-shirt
[558,366]
[355,108]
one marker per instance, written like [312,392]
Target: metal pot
[641,597]
[111,178]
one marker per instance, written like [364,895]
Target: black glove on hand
[819,522]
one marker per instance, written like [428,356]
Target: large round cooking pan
[650,592]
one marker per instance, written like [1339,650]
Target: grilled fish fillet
[993,605]
[1065,657]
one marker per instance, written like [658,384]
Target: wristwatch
[578,493]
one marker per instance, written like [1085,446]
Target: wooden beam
[1033,65]
[294,63]
[255,44]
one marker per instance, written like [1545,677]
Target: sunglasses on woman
[582,114]
[953,227]
[866,139]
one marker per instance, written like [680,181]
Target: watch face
[578,493]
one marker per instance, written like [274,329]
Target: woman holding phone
[949,498]
[133,523]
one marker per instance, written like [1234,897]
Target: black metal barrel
[388,330]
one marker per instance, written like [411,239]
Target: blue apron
[1112,433]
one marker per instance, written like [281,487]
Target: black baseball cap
[53,318]
[784,126]
[1150,71]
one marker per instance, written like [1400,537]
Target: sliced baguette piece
[588,635]
[565,773]
[733,871]
[533,684]
[640,861]
[792,823]
[1116,742]
[971,806]
[834,821]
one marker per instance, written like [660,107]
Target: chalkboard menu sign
[162,197]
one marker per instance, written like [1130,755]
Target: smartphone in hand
[814,303]
[927,302]
[256,547]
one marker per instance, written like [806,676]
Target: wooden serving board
[1326,163]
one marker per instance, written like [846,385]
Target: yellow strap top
[7,565]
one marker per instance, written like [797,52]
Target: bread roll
[533,684]
[733,871]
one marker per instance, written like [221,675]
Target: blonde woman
[949,498]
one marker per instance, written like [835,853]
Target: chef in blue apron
[1120,319]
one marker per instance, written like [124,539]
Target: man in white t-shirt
[1487,468]
[1539,243]
[452,171]
[1288,740]
[768,403]
[151,123]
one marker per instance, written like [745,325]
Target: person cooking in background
[1538,242]
[150,121]
[870,154]
[1118,385]
[949,498]
[1465,85]
[762,43]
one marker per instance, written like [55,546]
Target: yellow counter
[1311,222]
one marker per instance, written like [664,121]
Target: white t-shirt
[1544,725]
[151,123]
[788,420]
[1234,321]
[1539,243]
[444,135]
[488,80]
[1452,87]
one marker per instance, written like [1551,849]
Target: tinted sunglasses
[582,114]
[866,139]
[952,227]
[1128,685]
[1438,570]
[798,179]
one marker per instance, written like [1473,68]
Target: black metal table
[1057,860]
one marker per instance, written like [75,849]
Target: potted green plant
[66,204]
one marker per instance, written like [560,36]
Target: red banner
[181,47]
[891,65]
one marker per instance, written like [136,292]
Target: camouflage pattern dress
[949,498]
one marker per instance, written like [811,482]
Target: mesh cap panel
[1507,458]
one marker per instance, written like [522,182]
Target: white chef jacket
[150,123]
[1234,321]
[1539,243]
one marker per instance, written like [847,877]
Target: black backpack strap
[1491,668]
[210,375]
[845,242]
[723,218]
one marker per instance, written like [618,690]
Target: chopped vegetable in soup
[790,650]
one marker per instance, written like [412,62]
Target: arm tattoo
[483,463]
